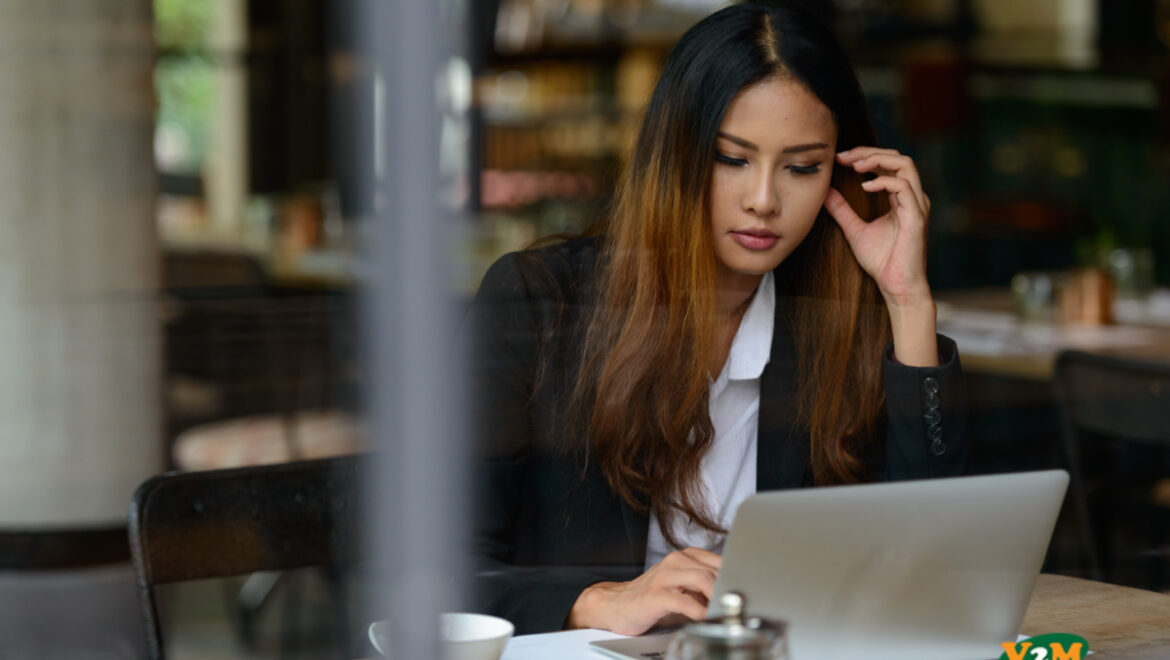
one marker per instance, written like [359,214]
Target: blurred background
[186,213]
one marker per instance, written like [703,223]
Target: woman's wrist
[909,298]
[914,329]
[583,614]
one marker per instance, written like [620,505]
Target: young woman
[753,314]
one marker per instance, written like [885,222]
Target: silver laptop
[938,569]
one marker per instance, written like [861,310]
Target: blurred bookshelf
[560,89]
[1037,139]
[1039,135]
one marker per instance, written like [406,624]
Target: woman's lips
[755,239]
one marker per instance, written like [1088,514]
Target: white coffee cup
[464,636]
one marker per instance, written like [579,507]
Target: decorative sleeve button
[933,416]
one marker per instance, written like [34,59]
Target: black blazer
[546,524]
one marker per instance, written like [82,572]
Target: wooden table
[1118,622]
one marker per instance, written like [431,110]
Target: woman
[753,314]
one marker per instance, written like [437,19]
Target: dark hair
[641,397]
[733,49]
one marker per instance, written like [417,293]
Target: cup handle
[374,639]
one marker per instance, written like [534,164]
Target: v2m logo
[1054,646]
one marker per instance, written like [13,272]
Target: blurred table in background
[993,340]
[266,439]
[314,270]
[1013,421]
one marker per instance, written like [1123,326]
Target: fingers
[857,153]
[694,558]
[691,569]
[682,583]
[901,194]
[885,162]
[846,217]
[706,557]
[699,581]
[899,166]
[684,604]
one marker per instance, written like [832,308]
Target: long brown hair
[641,395]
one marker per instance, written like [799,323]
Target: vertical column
[415,401]
[227,159]
[79,350]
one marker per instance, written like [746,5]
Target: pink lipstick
[755,239]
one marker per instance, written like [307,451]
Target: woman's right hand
[680,584]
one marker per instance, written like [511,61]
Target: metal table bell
[732,636]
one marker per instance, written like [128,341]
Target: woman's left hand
[891,248]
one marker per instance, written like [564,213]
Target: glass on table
[1035,294]
[1132,270]
[731,636]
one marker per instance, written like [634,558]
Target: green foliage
[181,25]
[186,88]
[184,77]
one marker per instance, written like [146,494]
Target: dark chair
[274,355]
[213,274]
[237,346]
[223,523]
[1115,415]
[254,374]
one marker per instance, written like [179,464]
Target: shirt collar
[752,346]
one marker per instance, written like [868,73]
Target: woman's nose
[762,198]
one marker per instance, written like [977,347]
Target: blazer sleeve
[926,416]
[504,340]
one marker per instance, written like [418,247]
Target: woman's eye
[728,160]
[806,169]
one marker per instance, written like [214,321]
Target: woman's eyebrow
[794,149]
[812,146]
[740,141]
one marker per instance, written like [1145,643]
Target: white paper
[565,645]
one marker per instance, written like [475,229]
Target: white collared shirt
[728,470]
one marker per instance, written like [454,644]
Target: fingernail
[842,153]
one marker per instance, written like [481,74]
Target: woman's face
[773,163]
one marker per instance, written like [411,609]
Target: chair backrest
[1105,399]
[1114,397]
[210,273]
[266,354]
[221,523]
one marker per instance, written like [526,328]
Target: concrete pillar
[79,347]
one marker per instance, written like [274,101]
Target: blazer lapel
[782,449]
[637,527]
